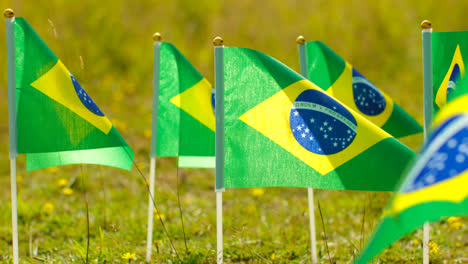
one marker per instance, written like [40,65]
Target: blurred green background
[107,45]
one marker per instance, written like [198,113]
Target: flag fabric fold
[282,130]
[435,185]
[186,121]
[58,122]
[340,79]
[449,55]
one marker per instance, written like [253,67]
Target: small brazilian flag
[341,80]
[436,184]
[57,121]
[186,121]
[449,54]
[282,130]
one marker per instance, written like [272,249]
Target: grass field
[380,38]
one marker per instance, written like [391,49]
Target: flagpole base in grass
[313,236]
[14,211]
[149,237]
[219,226]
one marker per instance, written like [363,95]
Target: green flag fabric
[435,185]
[449,57]
[186,122]
[282,130]
[57,122]
[340,79]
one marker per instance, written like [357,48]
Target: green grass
[380,38]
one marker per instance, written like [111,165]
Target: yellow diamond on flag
[59,85]
[340,90]
[456,70]
[272,118]
[196,101]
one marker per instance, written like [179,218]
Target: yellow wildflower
[52,169]
[251,208]
[48,208]
[19,179]
[415,242]
[67,191]
[158,216]
[257,191]
[141,165]
[456,225]
[129,256]
[453,219]
[273,256]
[62,182]
[433,248]
[458,244]
[455,222]
[147,133]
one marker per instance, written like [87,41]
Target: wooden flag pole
[310,192]
[219,141]
[154,126]
[426,27]
[10,37]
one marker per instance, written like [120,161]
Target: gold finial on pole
[300,40]
[9,13]
[426,24]
[218,41]
[157,36]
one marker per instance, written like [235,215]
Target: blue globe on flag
[368,99]
[454,78]
[85,99]
[445,156]
[320,124]
[213,96]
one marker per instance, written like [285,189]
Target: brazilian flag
[341,80]
[57,121]
[186,121]
[449,54]
[282,130]
[436,183]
